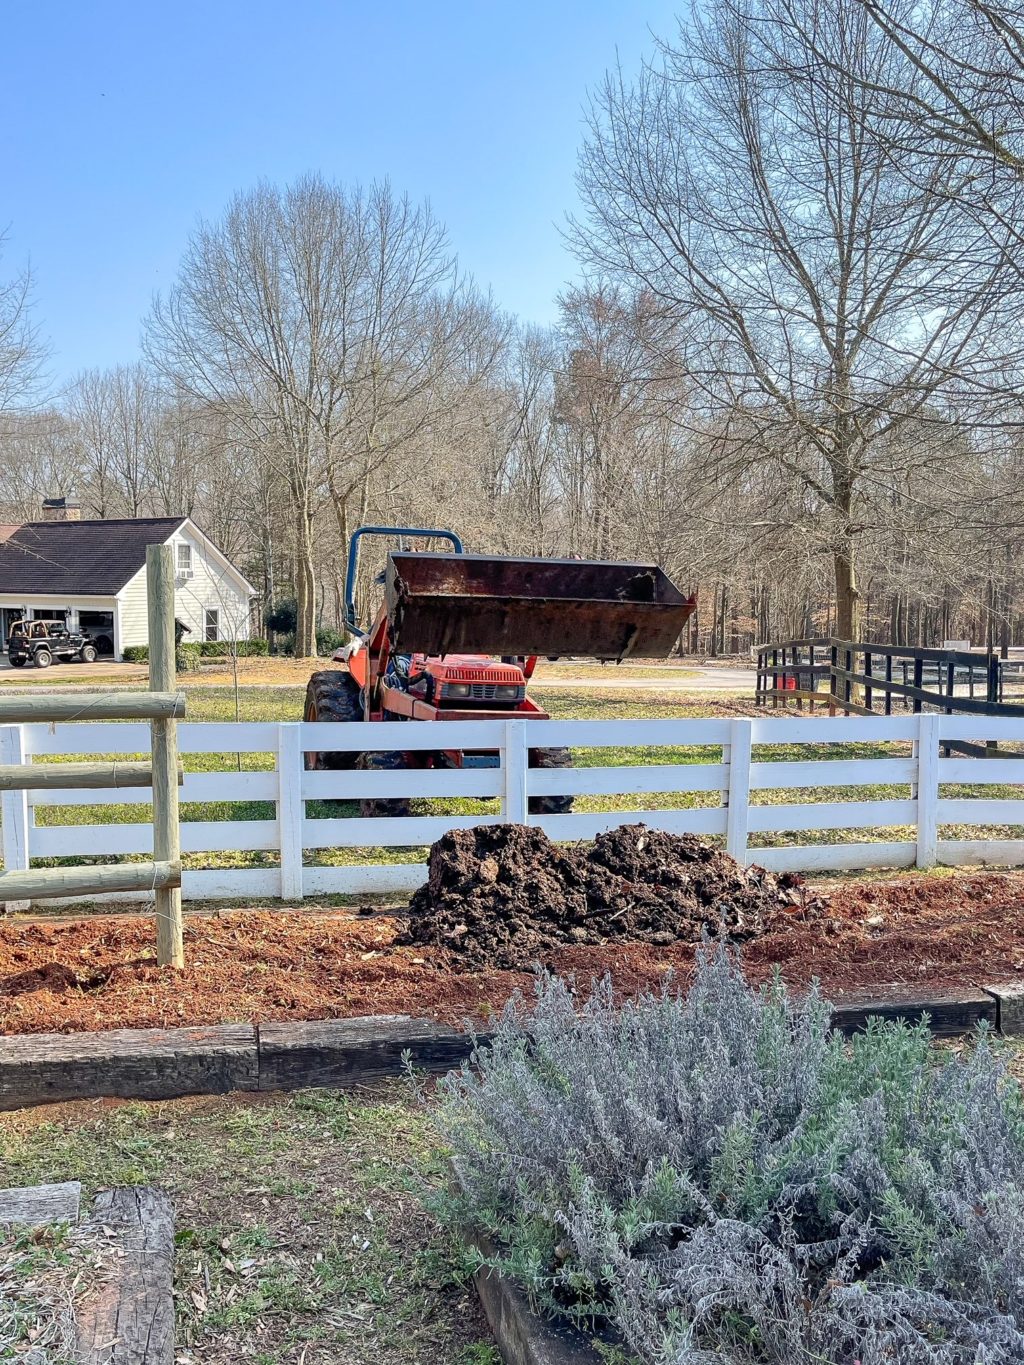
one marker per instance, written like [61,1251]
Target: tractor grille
[502,677]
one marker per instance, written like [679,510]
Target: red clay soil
[913,936]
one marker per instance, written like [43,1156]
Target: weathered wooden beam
[170,950]
[524,1337]
[76,776]
[339,1052]
[40,1068]
[40,883]
[126,1316]
[949,1014]
[23,709]
[33,1206]
[147,1064]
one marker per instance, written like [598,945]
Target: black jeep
[41,642]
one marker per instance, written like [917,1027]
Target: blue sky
[123,123]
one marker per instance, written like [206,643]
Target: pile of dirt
[505,897]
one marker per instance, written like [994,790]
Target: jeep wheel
[87,654]
[43,658]
[16,663]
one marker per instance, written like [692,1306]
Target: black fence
[874,679]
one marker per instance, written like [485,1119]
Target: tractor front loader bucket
[486,604]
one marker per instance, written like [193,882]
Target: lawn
[301,1234]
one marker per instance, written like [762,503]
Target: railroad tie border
[157,1064]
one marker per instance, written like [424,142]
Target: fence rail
[738,761]
[865,678]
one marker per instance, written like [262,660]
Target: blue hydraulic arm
[353,560]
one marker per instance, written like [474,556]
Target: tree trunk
[305,586]
[847,595]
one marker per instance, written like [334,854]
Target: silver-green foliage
[721,1178]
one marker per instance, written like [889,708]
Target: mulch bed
[914,935]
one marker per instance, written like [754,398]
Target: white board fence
[292,840]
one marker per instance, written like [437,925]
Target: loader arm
[353,560]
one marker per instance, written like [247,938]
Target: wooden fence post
[290,809]
[170,950]
[14,811]
[737,818]
[927,789]
[516,761]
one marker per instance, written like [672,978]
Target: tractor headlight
[456,689]
[506,694]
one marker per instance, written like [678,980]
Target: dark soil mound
[506,896]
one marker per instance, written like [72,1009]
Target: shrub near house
[204,649]
[720,1178]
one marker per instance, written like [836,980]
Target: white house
[93,574]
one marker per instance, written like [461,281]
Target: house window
[184,557]
[212,623]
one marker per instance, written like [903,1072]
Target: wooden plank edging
[151,1064]
[127,1316]
[34,1206]
[522,1336]
[154,1064]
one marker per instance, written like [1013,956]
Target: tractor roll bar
[353,560]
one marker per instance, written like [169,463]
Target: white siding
[211,585]
[133,612]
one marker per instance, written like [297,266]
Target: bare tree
[91,408]
[308,313]
[23,354]
[966,106]
[41,458]
[828,297]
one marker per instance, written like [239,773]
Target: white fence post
[515,764]
[928,789]
[290,808]
[740,732]
[14,810]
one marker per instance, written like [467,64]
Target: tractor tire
[43,658]
[332,695]
[383,763]
[87,654]
[550,805]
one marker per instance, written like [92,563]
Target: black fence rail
[949,680]
[869,679]
[794,671]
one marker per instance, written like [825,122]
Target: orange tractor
[429,654]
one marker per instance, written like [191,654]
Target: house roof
[95,558]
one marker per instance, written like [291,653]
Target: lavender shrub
[718,1177]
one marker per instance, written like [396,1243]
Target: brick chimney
[61,509]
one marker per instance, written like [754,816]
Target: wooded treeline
[791,371]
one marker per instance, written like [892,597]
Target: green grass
[299,1222]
